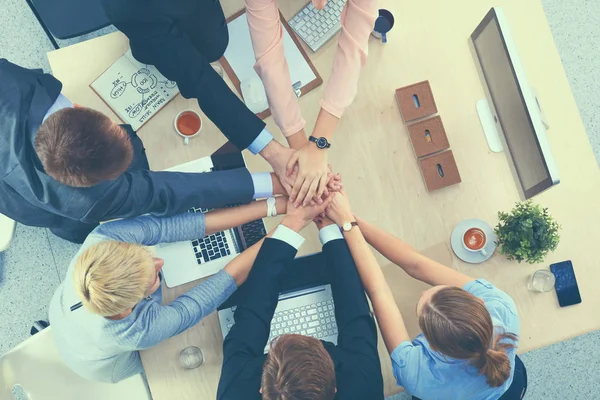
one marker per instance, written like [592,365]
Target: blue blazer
[30,196]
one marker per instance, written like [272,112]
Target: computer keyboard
[316,27]
[252,232]
[210,247]
[316,320]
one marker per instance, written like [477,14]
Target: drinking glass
[541,281]
[191,357]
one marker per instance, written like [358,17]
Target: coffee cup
[474,240]
[383,24]
[188,124]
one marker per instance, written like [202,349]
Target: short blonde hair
[112,277]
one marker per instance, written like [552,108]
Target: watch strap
[271,207]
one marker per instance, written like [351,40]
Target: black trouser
[76,231]
[518,387]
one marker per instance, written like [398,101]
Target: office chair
[7,231]
[34,370]
[65,19]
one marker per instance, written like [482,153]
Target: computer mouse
[254,95]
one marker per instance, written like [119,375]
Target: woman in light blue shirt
[467,350]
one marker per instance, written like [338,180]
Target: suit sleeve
[248,337]
[162,44]
[357,333]
[164,194]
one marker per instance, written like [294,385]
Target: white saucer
[464,254]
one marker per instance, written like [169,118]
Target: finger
[307,192]
[291,163]
[321,185]
[296,188]
[326,191]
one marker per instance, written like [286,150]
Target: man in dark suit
[300,367]
[68,168]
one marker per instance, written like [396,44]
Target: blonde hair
[112,277]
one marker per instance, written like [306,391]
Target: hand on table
[312,173]
[340,211]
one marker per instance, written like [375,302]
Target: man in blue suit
[68,168]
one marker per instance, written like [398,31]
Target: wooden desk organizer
[439,170]
[416,101]
[428,136]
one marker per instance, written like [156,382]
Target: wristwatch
[271,209]
[347,226]
[321,142]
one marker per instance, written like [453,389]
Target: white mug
[186,138]
[481,249]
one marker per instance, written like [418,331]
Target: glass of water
[541,281]
[191,357]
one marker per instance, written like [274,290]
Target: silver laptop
[308,312]
[194,259]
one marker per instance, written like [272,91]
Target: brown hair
[298,368]
[82,147]
[457,324]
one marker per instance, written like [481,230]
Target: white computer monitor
[511,106]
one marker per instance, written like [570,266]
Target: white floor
[36,262]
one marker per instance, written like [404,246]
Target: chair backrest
[70,18]
[7,231]
[34,370]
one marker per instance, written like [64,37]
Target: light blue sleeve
[408,361]
[261,141]
[500,305]
[148,230]
[155,322]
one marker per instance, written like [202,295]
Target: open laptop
[194,259]
[305,304]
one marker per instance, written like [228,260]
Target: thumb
[291,163]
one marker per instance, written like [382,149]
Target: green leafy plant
[528,233]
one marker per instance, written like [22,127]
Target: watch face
[322,143]
[347,226]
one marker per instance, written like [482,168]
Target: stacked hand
[340,211]
[312,175]
[299,217]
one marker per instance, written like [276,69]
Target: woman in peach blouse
[358,19]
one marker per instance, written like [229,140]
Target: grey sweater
[102,349]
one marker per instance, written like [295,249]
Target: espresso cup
[188,124]
[383,24]
[474,240]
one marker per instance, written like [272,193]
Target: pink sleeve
[358,20]
[267,40]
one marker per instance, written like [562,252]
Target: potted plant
[528,233]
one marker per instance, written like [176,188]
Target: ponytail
[496,366]
[458,325]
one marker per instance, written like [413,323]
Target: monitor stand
[488,123]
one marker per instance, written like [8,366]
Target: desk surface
[373,152]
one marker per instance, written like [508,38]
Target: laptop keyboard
[211,247]
[252,232]
[316,320]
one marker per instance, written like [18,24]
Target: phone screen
[566,284]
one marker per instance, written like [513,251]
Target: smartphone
[566,284]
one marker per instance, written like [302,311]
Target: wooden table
[372,151]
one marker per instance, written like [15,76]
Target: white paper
[134,91]
[240,55]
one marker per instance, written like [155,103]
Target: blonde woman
[117,280]
[468,348]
